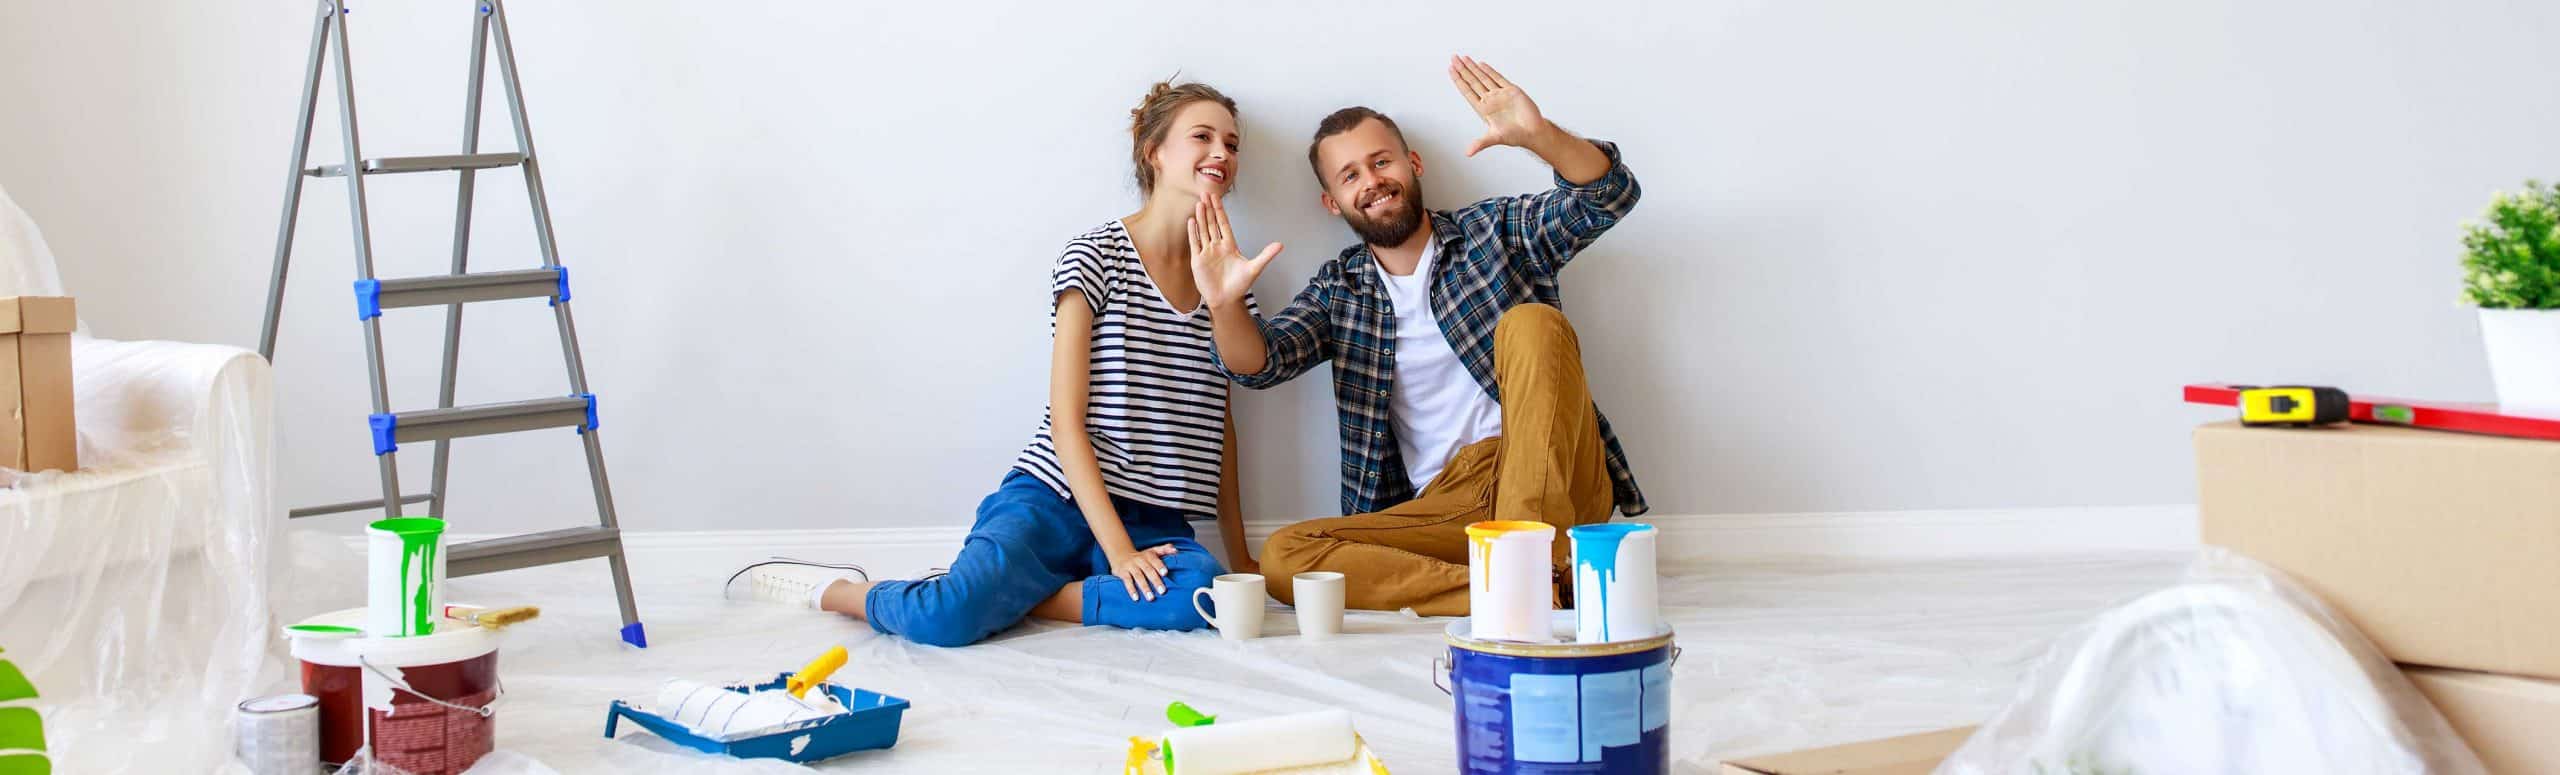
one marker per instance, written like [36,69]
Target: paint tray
[871,722]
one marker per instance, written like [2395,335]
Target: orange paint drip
[1480,538]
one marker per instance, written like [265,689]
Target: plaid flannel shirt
[1494,254]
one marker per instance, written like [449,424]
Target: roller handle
[817,671]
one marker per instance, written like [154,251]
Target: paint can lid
[1609,529]
[1491,528]
[280,703]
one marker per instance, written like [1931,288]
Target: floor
[1775,656]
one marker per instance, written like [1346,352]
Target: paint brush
[492,618]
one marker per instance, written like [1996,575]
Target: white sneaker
[792,582]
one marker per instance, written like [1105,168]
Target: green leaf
[25,764]
[21,729]
[13,684]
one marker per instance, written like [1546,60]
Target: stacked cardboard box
[2443,548]
[35,384]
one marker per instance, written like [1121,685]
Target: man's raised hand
[1510,118]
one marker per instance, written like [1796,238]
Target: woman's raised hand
[1217,266]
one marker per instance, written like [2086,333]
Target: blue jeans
[1027,544]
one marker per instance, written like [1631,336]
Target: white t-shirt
[1437,405]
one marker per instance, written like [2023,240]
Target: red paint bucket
[425,698]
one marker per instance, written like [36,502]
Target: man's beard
[1393,228]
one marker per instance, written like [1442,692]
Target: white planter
[2524,357]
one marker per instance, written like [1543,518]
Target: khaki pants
[1548,465]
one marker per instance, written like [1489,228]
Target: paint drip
[405,576]
[1510,586]
[1616,589]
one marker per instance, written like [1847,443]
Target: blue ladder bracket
[563,294]
[368,299]
[383,426]
[591,413]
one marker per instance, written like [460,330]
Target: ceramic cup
[1238,598]
[1319,598]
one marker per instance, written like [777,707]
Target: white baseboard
[1876,535]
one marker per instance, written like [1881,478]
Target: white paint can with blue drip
[1616,595]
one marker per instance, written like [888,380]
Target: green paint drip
[419,537]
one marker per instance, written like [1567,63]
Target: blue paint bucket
[1531,708]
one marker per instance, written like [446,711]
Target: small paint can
[1511,580]
[404,582]
[278,735]
[1616,592]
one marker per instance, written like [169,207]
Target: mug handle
[1195,605]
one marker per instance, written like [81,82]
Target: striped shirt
[1156,403]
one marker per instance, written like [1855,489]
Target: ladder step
[341,508]
[531,549]
[448,163]
[578,411]
[374,296]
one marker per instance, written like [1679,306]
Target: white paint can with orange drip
[1510,587]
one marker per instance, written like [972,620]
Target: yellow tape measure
[2292,405]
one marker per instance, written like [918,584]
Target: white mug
[1239,598]
[1319,602]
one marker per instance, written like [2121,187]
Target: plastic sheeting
[1777,656]
[135,592]
[2236,670]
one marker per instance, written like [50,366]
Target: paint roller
[1279,742]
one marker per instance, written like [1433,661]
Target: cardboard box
[2511,721]
[35,384]
[2443,548]
[1905,755]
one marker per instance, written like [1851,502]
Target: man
[1454,372]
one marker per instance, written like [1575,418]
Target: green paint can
[404,583]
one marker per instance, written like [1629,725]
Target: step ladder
[446,421]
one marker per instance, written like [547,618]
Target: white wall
[1890,256]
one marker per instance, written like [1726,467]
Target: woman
[1091,524]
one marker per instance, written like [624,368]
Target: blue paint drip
[1596,547]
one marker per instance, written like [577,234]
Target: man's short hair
[1345,120]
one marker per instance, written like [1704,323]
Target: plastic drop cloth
[2236,670]
[135,592]
[1778,655]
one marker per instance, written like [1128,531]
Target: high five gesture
[1217,265]
[1511,118]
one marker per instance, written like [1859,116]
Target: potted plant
[2511,271]
[21,729]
